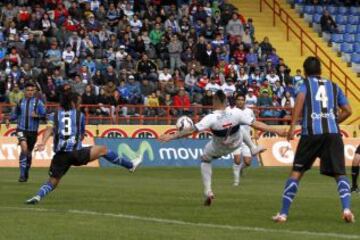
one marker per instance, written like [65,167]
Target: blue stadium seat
[357,47]
[355,11]
[355,58]
[358,28]
[332,10]
[337,38]
[316,18]
[319,9]
[298,1]
[340,19]
[342,10]
[341,28]
[351,28]
[309,9]
[357,37]
[354,20]
[347,48]
[349,38]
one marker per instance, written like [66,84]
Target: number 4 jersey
[322,97]
[68,129]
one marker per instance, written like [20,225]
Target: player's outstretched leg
[343,187]
[44,190]
[206,173]
[253,147]
[289,193]
[103,151]
[28,165]
[236,172]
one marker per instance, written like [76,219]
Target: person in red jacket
[60,14]
[182,102]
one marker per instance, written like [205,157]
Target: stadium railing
[307,41]
[140,114]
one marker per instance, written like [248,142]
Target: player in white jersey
[243,150]
[224,123]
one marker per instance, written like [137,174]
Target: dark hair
[239,95]
[67,99]
[29,84]
[219,94]
[312,66]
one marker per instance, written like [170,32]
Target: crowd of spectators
[139,52]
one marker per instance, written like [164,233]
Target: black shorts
[358,150]
[62,161]
[29,137]
[328,147]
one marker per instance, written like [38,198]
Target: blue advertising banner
[182,152]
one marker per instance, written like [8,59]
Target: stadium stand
[147,54]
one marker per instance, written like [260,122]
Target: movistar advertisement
[182,152]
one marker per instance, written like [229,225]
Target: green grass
[171,194]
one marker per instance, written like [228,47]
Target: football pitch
[166,203]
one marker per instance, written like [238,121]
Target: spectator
[278,90]
[182,102]
[77,85]
[89,98]
[266,46]
[234,26]
[284,75]
[208,59]
[287,97]
[327,23]
[250,98]
[272,77]
[212,85]
[298,79]
[175,49]
[15,95]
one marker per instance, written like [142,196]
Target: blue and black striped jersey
[69,128]
[23,113]
[322,97]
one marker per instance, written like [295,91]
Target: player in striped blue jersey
[28,113]
[67,126]
[318,100]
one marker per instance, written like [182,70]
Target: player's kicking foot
[236,183]
[34,200]
[136,163]
[256,150]
[355,189]
[209,198]
[280,218]
[348,216]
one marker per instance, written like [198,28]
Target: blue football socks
[290,190]
[45,189]
[115,159]
[344,191]
[23,164]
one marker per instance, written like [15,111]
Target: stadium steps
[290,50]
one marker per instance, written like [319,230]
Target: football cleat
[256,150]
[22,179]
[280,218]
[209,198]
[235,184]
[348,216]
[34,200]
[136,163]
[355,189]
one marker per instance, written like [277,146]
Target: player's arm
[47,134]
[204,124]
[343,105]
[13,115]
[267,128]
[40,111]
[297,112]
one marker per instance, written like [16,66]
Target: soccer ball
[184,123]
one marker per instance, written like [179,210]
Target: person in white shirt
[212,85]
[272,77]
[135,24]
[243,150]
[224,123]
[68,54]
[228,88]
[250,99]
[165,76]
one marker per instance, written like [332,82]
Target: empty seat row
[333,10]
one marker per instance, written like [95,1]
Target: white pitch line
[184,223]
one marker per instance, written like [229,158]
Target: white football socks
[206,173]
